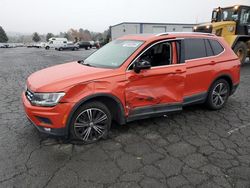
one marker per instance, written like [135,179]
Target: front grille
[29,94]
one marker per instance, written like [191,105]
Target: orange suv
[131,78]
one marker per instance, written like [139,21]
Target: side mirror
[140,65]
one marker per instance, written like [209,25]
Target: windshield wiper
[80,61]
[86,64]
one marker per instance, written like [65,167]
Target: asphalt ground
[192,148]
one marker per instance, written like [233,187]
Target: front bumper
[50,131]
[49,120]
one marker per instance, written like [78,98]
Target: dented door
[158,85]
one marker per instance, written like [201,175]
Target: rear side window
[195,48]
[216,46]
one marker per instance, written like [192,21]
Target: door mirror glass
[140,65]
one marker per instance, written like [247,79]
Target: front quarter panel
[114,86]
[78,92]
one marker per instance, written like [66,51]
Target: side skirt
[195,99]
[153,111]
[162,109]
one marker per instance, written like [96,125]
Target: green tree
[3,36]
[48,36]
[36,37]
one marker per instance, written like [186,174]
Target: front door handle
[135,77]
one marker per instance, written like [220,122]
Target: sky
[43,16]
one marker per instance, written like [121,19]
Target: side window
[208,48]
[158,55]
[216,46]
[195,48]
[245,16]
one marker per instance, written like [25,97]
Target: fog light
[47,129]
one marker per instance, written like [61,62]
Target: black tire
[218,94]
[86,48]
[47,47]
[240,50]
[60,49]
[96,131]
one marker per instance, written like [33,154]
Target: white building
[126,28]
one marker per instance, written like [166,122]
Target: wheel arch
[112,102]
[226,77]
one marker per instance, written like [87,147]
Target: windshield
[229,14]
[113,54]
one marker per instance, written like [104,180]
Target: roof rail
[160,34]
[200,33]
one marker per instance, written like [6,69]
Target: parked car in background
[3,45]
[19,44]
[55,42]
[11,45]
[131,78]
[36,45]
[29,45]
[40,45]
[7,45]
[68,46]
[84,44]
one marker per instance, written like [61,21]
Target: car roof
[168,35]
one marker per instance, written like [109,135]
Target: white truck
[55,42]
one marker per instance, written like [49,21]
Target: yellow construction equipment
[232,23]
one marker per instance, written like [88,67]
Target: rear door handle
[212,63]
[178,71]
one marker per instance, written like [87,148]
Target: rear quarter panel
[227,63]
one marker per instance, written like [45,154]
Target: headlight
[46,99]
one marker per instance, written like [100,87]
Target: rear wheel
[240,50]
[47,47]
[218,94]
[91,122]
[60,49]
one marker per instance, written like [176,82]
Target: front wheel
[218,94]
[91,122]
[240,50]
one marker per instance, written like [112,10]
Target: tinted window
[208,48]
[216,46]
[195,48]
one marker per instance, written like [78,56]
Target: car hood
[60,77]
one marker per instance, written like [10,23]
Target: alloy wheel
[219,95]
[91,124]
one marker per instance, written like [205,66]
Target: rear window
[216,46]
[195,48]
